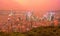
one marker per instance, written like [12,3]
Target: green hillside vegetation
[40,31]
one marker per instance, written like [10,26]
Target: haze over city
[35,5]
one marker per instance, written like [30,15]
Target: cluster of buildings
[25,21]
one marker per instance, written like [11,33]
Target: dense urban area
[25,23]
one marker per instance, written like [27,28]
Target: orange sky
[35,5]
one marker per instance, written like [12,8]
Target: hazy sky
[35,5]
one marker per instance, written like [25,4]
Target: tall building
[28,15]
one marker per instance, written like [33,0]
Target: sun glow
[30,2]
[22,2]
